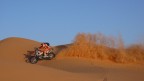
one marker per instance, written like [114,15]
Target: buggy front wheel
[33,60]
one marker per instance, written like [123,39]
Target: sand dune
[13,48]
[59,48]
[14,68]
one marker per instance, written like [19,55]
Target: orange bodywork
[44,49]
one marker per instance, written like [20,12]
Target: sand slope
[14,68]
[14,48]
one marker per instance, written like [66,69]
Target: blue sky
[58,21]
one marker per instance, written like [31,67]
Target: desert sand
[14,68]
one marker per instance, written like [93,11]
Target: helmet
[47,43]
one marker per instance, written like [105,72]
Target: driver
[44,49]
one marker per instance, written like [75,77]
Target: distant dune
[14,68]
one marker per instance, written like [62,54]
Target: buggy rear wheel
[51,56]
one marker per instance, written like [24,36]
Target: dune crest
[13,48]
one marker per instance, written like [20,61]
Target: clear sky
[58,21]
